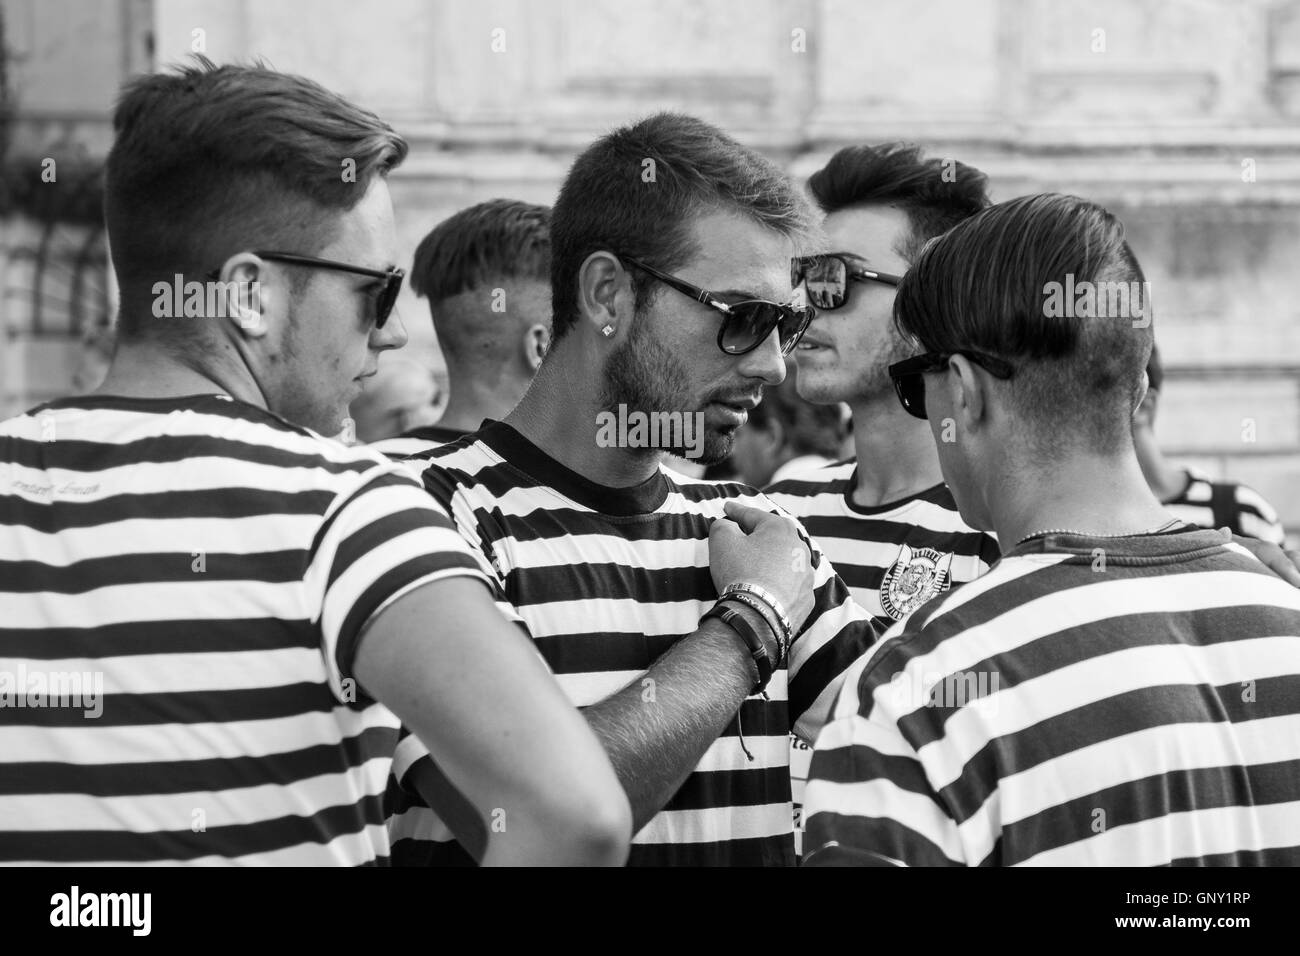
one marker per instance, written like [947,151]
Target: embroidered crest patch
[915,577]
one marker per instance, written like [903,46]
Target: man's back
[1126,701]
[190,577]
[893,557]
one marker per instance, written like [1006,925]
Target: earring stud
[608,330]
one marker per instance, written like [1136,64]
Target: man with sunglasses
[887,521]
[1120,688]
[253,602]
[692,624]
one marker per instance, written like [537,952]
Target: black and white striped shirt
[1212,504]
[418,441]
[894,557]
[606,580]
[1131,701]
[193,575]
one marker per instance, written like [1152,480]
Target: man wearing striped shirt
[884,517]
[209,609]
[670,276]
[1189,493]
[1120,688]
[486,274]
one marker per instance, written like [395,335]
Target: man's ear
[1145,413]
[604,295]
[537,339]
[251,298]
[968,389]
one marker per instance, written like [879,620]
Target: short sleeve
[387,538]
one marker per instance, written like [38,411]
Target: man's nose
[392,335]
[766,362]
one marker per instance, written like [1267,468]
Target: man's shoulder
[712,494]
[421,442]
[953,611]
[208,426]
[833,478]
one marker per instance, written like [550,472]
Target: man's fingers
[1288,569]
[747,517]
[724,528]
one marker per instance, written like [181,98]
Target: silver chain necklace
[1172,522]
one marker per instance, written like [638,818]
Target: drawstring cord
[740,731]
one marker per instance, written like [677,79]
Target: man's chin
[821,389]
[717,445]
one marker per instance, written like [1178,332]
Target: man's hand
[1285,564]
[753,546]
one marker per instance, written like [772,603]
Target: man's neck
[145,369]
[1086,494]
[895,452]
[476,397]
[558,415]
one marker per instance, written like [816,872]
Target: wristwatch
[758,650]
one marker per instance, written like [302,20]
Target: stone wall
[1182,116]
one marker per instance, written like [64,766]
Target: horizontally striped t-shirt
[1212,504]
[417,441]
[183,584]
[894,557]
[606,580]
[1089,701]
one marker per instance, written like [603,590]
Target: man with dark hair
[1120,687]
[1190,493]
[486,274]
[248,603]
[886,519]
[671,245]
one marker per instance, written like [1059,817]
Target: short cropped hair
[213,160]
[639,190]
[936,194]
[497,239]
[988,284]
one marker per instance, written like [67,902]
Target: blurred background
[1181,115]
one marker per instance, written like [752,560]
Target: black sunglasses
[909,374]
[746,324]
[826,277]
[384,301]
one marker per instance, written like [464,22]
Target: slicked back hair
[985,285]
[936,194]
[213,160]
[497,239]
[639,190]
